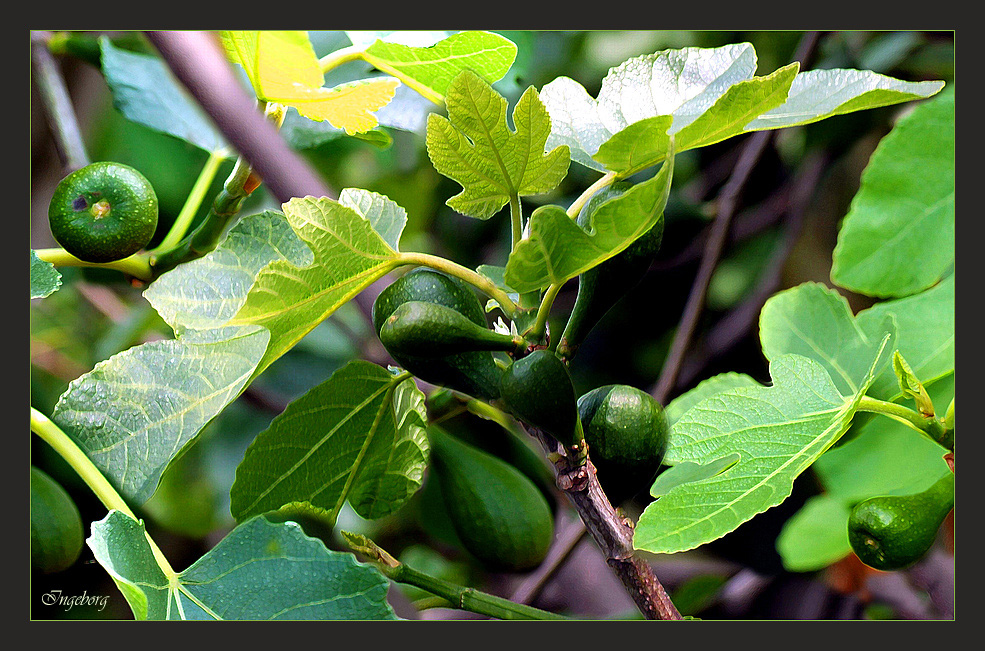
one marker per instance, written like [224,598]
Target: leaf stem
[516,219]
[489,412]
[137,265]
[580,202]
[539,328]
[184,219]
[929,426]
[454,269]
[91,475]
[334,59]
[458,596]
[225,207]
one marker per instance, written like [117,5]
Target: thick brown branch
[612,532]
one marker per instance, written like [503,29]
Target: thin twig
[58,106]
[570,534]
[728,200]
[197,60]
[745,225]
[731,328]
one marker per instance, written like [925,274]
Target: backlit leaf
[133,413]
[711,94]
[640,145]
[349,255]
[555,248]
[431,69]
[45,279]
[283,68]
[208,291]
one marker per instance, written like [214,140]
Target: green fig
[473,372]
[892,532]
[103,212]
[56,527]
[538,390]
[498,514]
[427,329]
[627,433]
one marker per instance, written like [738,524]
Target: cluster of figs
[434,326]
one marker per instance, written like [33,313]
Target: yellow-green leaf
[283,68]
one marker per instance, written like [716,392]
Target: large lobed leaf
[475,147]
[349,255]
[898,236]
[738,446]
[711,94]
[358,436]
[555,248]
[777,433]
[259,571]
[213,359]
[134,412]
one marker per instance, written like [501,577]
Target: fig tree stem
[516,219]
[194,201]
[136,265]
[543,312]
[334,59]
[580,202]
[457,596]
[475,279]
[611,531]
